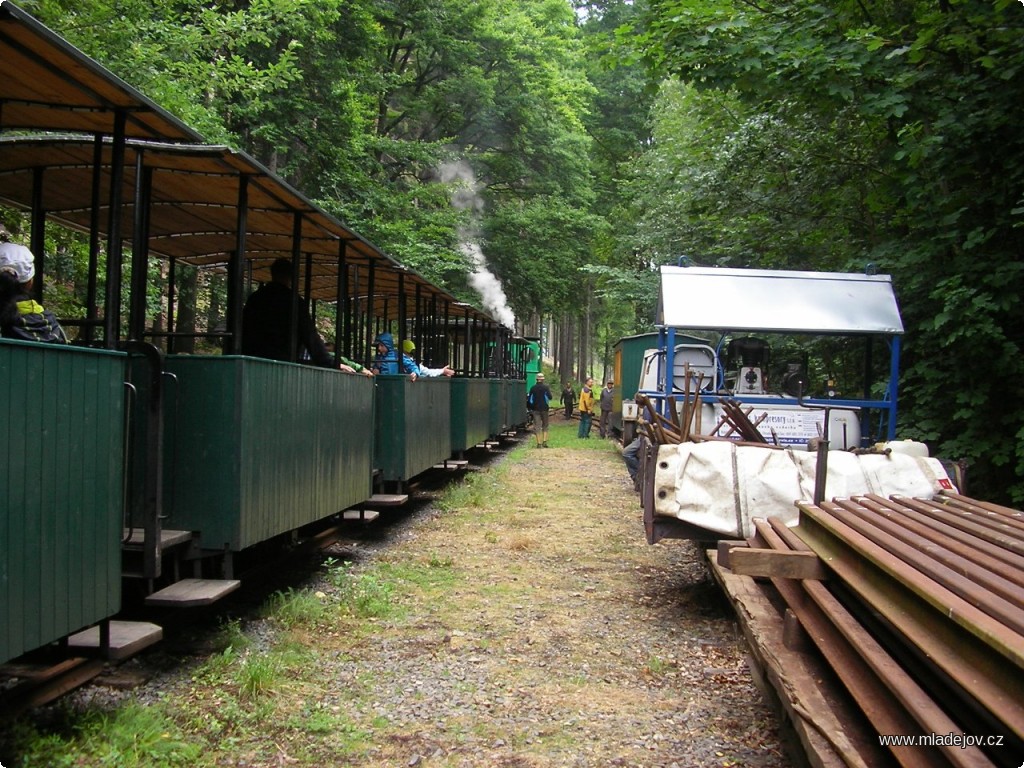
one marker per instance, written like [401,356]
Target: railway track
[915,610]
[42,677]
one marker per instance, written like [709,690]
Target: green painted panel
[516,403]
[498,406]
[255,448]
[470,412]
[629,362]
[411,430]
[61,470]
[510,395]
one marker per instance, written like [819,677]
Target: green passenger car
[411,426]
[255,448]
[62,466]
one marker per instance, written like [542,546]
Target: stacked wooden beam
[918,608]
[683,424]
[737,419]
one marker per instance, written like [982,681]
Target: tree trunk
[185,311]
[583,343]
[214,315]
[566,349]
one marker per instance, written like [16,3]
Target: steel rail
[888,696]
[945,628]
[975,526]
[931,714]
[939,586]
[998,520]
[950,699]
[925,564]
[956,570]
[1008,511]
[997,559]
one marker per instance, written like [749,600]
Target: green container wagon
[255,448]
[412,431]
[629,362]
[62,473]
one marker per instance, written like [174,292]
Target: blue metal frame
[886,406]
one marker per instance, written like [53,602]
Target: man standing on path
[568,399]
[538,401]
[607,396]
[586,408]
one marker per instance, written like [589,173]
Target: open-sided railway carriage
[121,445]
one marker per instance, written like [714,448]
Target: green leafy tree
[912,110]
[619,124]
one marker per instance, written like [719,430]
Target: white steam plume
[482,279]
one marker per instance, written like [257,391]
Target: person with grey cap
[538,400]
[21,316]
[606,401]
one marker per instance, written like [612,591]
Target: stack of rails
[918,609]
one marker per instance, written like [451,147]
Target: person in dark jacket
[266,320]
[538,400]
[21,316]
[387,359]
[568,399]
[606,402]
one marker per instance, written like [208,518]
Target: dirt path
[522,621]
[563,638]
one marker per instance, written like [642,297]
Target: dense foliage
[384,112]
[570,147]
[832,135]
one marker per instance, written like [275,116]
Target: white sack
[720,486]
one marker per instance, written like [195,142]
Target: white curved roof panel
[703,298]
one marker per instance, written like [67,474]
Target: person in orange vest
[586,406]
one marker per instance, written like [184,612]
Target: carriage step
[387,500]
[361,515]
[452,464]
[189,593]
[126,638]
[133,538]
